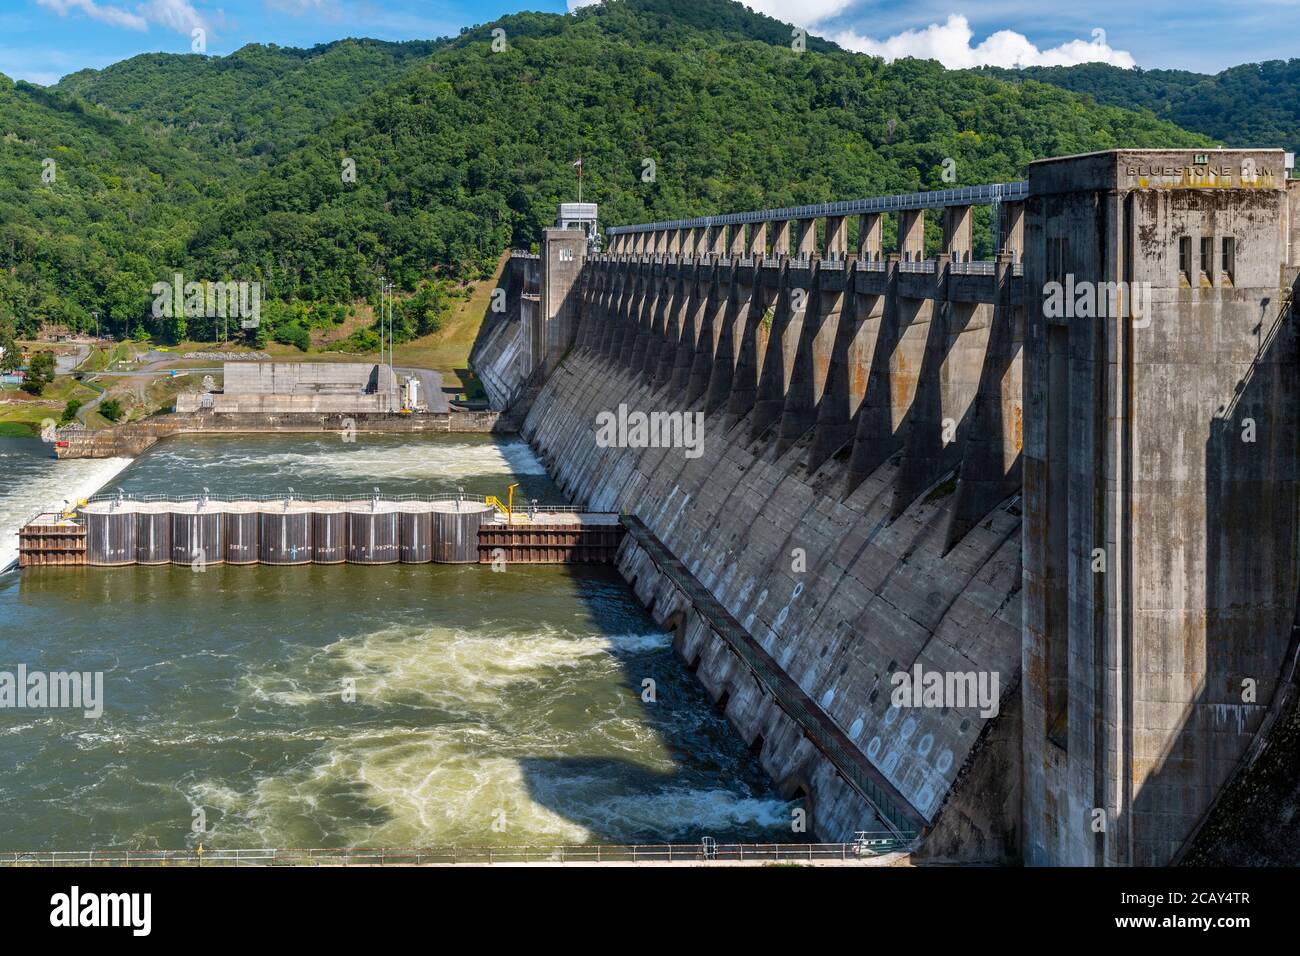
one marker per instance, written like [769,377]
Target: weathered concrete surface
[308,387]
[836,594]
[1161,486]
[502,355]
[1256,821]
[857,506]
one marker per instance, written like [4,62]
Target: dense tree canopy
[1252,105]
[472,151]
[315,171]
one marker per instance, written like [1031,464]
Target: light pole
[391,306]
[382,292]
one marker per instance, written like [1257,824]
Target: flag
[578,162]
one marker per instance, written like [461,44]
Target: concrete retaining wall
[133,438]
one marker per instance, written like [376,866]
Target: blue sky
[41,40]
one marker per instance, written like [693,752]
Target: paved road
[430,387]
[65,364]
[150,372]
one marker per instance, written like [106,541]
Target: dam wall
[1161,487]
[501,356]
[837,556]
[907,461]
[520,345]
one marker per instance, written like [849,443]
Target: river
[351,706]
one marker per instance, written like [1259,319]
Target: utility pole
[391,306]
[382,292]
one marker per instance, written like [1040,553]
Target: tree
[70,411]
[12,357]
[40,373]
[111,409]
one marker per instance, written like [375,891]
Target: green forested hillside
[1256,104]
[115,207]
[471,151]
[468,151]
[257,103]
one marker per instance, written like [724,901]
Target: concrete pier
[413,529]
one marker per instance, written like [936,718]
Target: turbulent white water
[509,752]
[486,708]
[334,460]
[30,483]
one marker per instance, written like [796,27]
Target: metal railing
[981,267]
[933,199]
[867,846]
[217,499]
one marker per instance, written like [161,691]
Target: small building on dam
[298,387]
[992,541]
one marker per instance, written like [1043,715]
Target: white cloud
[302,7]
[950,44]
[802,13]
[575,4]
[176,15]
[114,16]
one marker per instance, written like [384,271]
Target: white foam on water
[412,460]
[665,811]
[48,487]
[428,786]
[478,774]
[464,670]
[639,643]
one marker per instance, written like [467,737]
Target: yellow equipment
[506,509]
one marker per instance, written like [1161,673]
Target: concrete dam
[998,554]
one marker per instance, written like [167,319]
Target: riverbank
[134,438]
